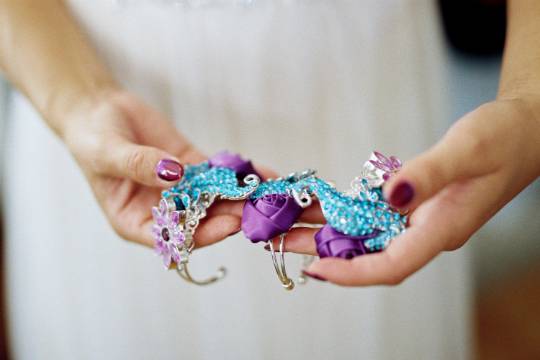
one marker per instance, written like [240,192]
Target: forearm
[46,56]
[520,76]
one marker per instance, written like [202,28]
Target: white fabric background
[293,84]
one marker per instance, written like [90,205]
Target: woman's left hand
[485,160]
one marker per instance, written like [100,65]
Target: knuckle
[121,231]
[457,240]
[90,152]
[432,169]
[466,134]
[135,163]
[99,147]
[479,145]
[395,278]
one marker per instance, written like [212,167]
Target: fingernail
[402,195]
[169,170]
[313,276]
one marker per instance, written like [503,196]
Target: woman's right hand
[118,141]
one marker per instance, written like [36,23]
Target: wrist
[524,112]
[66,110]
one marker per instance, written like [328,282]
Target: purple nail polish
[402,195]
[313,276]
[169,170]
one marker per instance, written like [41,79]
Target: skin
[484,160]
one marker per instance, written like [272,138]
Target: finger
[265,172]
[313,214]
[156,129]
[463,153]
[299,240]
[210,231]
[227,207]
[143,164]
[215,229]
[129,211]
[406,254]
[138,232]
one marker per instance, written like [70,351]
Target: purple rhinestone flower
[168,235]
[389,166]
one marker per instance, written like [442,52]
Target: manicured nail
[402,195]
[169,170]
[313,276]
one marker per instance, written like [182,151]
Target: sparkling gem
[165,234]
[179,204]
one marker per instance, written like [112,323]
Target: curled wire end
[184,273]
[289,285]
[279,265]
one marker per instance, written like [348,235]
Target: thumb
[143,164]
[458,156]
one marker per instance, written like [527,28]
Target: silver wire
[279,266]
[184,273]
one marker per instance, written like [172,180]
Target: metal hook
[279,266]
[183,271]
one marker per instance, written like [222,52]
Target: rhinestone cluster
[358,212]
[184,205]
[202,178]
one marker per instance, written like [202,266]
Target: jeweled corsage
[183,206]
[358,221]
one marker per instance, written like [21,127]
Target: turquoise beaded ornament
[183,206]
[359,213]
[355,213]
[358,221]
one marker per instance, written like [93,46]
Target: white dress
[290,83]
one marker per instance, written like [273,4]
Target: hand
[484,161]
[118,141]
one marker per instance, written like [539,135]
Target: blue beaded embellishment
[357,212]
[361,211]
[214,181]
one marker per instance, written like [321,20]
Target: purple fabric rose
[269,216]
[332,243]
[234,162]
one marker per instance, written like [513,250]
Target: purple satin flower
[235,162]
[269,216]
[332,243]
[388,165]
